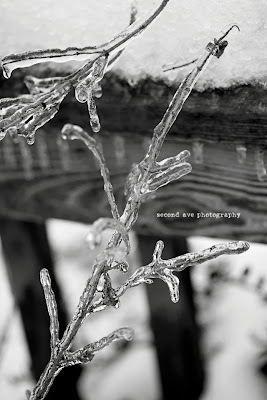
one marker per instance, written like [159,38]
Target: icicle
[94,120]
[64,153]
[197,150]
[259,164]
[42,150]
[30,139]
[172,281]
[119,149]
[86,86]
[27,161]
[241,152]
[85,90]
[97,72]
[81,93]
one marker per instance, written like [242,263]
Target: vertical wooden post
[26,251]
[174,327]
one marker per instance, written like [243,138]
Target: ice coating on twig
[85,90]
[96,74]
[51,307]
[37,85]
[26,114]
[93,238]
[108,293]
[137,180]
[73,132]
[162,269]
[181,262]
[167,175]
[13,61]
[178,65]
[210,47]
[84,355]
[160,174]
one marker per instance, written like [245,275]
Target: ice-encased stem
[75,132]
[84,355]
[51,307]
[132,206]
[127,219]
[13,61]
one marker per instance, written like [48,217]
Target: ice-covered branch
[25,114]
[72,132]
[141,179]
[86,354]
[162,269]
[93,238]
[13,61]
[51,307]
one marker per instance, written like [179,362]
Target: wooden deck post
[174,327]
[26,250]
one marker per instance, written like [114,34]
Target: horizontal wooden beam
[223,129]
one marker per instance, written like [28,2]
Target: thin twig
[13,61]
[51,307]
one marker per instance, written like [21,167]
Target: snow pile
[180,33]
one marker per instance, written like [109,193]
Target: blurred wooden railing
[58,179]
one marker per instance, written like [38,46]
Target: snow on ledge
[180,33]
